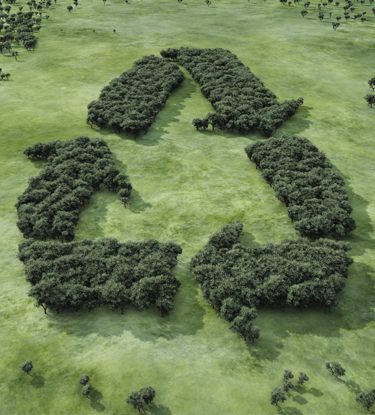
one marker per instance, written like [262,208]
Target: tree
[363,19]
[147,394]
[114,30]
[321,16]
[304,12]
[47,17]
[27,366]
[242,324]
[84,379]
[135,400]
[371,82]
[70,8]
[277,395]
[208,2]
[15,54]
[335,25]
[338,18]
[288,375]
[302,378]
[366,399]
[370,99]
[86,390]
[335,368]
[287,384]
[337,3]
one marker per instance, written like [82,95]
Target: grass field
[186,185]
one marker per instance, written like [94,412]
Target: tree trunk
[44,308]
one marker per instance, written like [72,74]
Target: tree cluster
[138,399]
[305,181]
[131,102]
[88,274]
[240,99]
[278,395]
[50,206]
[370,98]
[4,75]
[298,272]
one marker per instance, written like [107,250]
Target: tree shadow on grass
[95,398]
[288,410]
[173,108]
[158,410]
[351,385]
[37,381]
[302,390]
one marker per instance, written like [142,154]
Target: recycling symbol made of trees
[65,274]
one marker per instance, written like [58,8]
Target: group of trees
[138,399]
[240,99]
[306,182]
[370,98]
[131,102]
[50,206]
[88,274]
[86,388]
[298,273]
[278,395]
[19,27]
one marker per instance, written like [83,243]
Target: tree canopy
[50,206]
[306,182]
[88,274]
[298,272]
[240,99]
[131,102]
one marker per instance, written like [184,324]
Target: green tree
[302,378]
[371,82]
[242,324]
[370,99]
[335,368]
[27,366]
[366,399]
[304,12]
[86,390]
[147,394]
[135,400]
[84,379]
[277,395]
[70,8]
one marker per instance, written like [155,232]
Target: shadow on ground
[95,398]
[37,381]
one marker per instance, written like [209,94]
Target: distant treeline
[305,181]
[240,99]
[50,206]
[131,102]
[89,274]
[293,272]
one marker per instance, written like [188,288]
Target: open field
[186,184]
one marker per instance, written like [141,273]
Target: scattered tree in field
[363,19]
[321,16]
[27,366]
[86,390]
[335,25]
[75,2]
[47,17]
[287,384]
[70,8]
[325,4]
[337,3]
[338,18]
[135,400]
[370,99]
[335,368]
[15,54]
[304,12]
[288,375]
[114,30]
[277,395]
[307,4]
[371,83]
[366,399]
[330,14]
[84,379]
[302,378]
[208,2]
[147,394]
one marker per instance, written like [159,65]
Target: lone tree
[147,394]
[70,8]
[135,400]
[277,395]
[366,399]
[335,368]
[27,366]
[86,390]
[370,99]
[83,380]
[371,82]
[302,378]
[304,12]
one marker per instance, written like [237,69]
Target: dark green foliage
[86,390]
[240,98]
[366,399]
[242,324]
[287,384]
[335,368]
[302,378]
[299,273]
[288,375]
[27,366]
[88,274]
[277,395]
[305,181]
[370,99]
[131,102]
[147,394]
[135,400]
[83,380]
[50,206]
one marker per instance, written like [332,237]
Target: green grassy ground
[186,185]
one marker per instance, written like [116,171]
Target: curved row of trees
[240,99]
[50,206]
[131,102]
[298,272]
[306,182]
[88,274]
